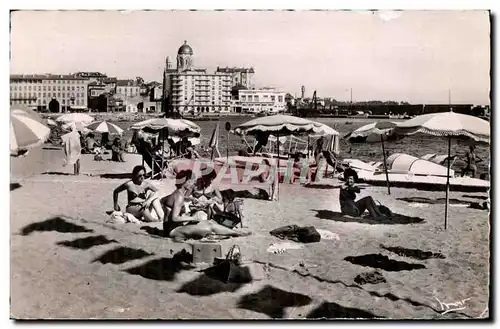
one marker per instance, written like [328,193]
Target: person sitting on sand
[140,205]
[350,207]
[184,227]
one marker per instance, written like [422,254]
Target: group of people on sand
[143,200]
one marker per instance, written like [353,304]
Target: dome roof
[185,49]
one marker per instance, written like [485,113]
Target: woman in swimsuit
[180,228]
[350,207]
[140,204]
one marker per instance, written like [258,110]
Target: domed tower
[168,63]
[184,60]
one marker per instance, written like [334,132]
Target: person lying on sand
[350,207]
[184,227]
[140,204]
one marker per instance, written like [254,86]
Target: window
[39,88]
[29,87]
[45,88]
[64,101]
[72,88]
[58,94]
[43,94]
[273,98]
[280,99]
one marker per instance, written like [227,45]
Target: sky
[413,56]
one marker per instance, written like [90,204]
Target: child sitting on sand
[181,228]
[350,207]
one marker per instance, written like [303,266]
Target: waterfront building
[49,92]
[266,100]
[194,90]
[239,76]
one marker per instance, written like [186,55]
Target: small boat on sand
[411,172]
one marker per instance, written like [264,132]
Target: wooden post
[385,166]
[447,185]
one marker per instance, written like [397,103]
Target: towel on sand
[119,217]
[72,147]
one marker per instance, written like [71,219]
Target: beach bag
[228,219]
[384,210]
[98,157]
[229,269]
[308,234]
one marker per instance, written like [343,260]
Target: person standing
[72,149]
[471,159]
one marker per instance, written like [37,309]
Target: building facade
[193,90]
[49,92]
[239,76]
[127,89]
[266,100]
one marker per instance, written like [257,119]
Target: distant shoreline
[136,117]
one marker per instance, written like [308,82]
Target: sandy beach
[126,271]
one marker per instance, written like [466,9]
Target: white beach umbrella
[172,125]
[75,117]
[280,125]
[375,132]
[26,132]
[105,127]
[449,125]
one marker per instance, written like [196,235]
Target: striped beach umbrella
[105,127]
[26,132]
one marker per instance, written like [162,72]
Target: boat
[411,172]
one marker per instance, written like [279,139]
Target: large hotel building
[55,93]
[194,90]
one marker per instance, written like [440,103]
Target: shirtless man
[182,227]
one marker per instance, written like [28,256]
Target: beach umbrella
[75,125]
[280,125]
[25,131]
[25,110]
[449,125]
[75,117]
[374,133]
[51,122]
[174,126]
[105,127]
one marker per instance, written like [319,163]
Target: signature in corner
[450,307]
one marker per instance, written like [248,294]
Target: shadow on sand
[121,255]
[432,201]
[480,197]
[383,262]
[163,269]
[367,219]
[320,186]
[14,186]
[413,253]
[86,243]
[272,301]
[204,285]
[117,176]
[153,231]
[58,173]
[329,310]
[58,224]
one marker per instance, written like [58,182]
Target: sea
[415,146]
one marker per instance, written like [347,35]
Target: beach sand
[105,281]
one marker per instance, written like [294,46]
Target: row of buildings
[185,89]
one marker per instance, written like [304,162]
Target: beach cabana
[449,125]
[376,132]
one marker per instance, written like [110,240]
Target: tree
[139,81]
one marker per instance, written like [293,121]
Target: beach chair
[333,161]
[156,163]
